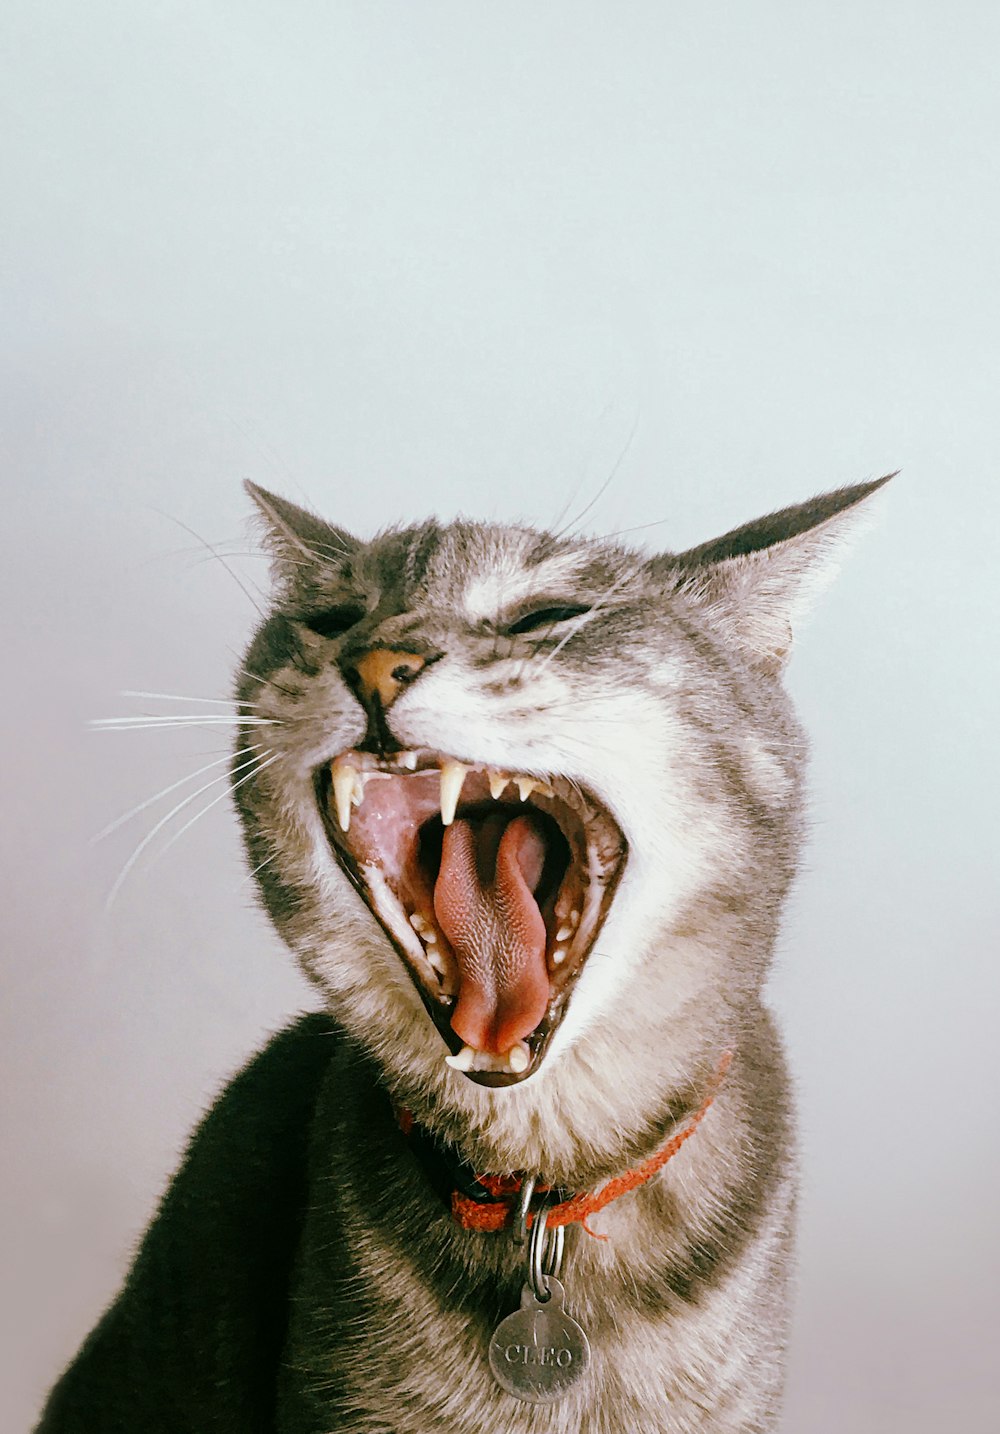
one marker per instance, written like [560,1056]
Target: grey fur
[666,702]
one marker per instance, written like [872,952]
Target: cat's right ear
[296,538]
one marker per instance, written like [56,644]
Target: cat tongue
[484,903]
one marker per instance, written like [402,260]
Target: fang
[344,776]
[452,777]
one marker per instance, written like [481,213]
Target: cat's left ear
[759,581]
[295,537]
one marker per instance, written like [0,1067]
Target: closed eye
[546,617]
[333,621]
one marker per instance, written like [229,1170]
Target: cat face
[528,800]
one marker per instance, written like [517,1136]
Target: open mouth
[492,886]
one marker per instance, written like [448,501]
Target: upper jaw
[384,818]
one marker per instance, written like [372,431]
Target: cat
[525,807]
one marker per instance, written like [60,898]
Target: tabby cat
[525,807]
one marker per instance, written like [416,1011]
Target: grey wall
[392,258]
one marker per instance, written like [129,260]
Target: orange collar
[496,1213]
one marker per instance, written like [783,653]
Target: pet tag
[539,1351]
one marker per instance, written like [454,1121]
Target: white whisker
[216,800]
[607,482]
[177,697]
[186,719]
[268,681]
[259,867]
[602,602]
[112,894]
[120,821]
[206,544]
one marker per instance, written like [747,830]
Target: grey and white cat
[526,814]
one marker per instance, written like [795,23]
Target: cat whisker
[607,482]
[591,441]
[286,561]
[636,528]
[129,724]
[269,682]
[255,763]
[189,777]
[601,603]
[259,867]
[216,554]
[177,697]
[220,798]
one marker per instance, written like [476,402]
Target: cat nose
[383,672]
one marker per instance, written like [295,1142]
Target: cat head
[529,803]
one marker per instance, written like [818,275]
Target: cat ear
[294,536]
[760,580]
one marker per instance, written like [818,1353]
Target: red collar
[496,1213]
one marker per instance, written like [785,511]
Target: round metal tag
[538,1352]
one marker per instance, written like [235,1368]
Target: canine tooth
[564,933]
[464,1061]
[452,777]
[558,955]
[519,1057]
[525,787]
[498,782]
[343,792]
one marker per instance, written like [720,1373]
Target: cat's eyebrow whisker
[177,697]
[189,777]
[250,553]
[608,407]
[636,528]
[607,482]
[216,554]
[255,763]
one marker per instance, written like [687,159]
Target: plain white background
[393,258]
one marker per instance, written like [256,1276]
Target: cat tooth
[558,955]
[525,787]
[464,1061]
[436,961]
[407,760]
[498,781]
[343,775]
[519,1057]
[452,777]
[574,918]
[418,922]
[358,791]
[564,933]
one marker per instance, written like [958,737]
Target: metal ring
[545,1252]
[519,1232]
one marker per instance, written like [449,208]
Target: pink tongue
[483,901]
